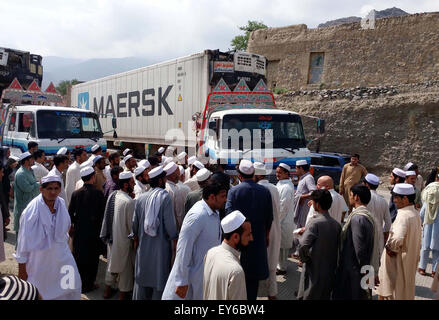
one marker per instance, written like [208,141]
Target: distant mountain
[391,12]
[57,69]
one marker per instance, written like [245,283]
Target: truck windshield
[286,130]
[67,124]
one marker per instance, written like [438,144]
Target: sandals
[421,272]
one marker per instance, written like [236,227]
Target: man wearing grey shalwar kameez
[304,188]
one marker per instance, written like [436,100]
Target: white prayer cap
[97,158]
[87,163]
[203,175]
[86,171]
[198,164]
[139,170]
[246,167]
[128,157]
[181,156]
[125,152]
[95,147]
[167,161]
[301,163]
[63,150]
[161,150]
[181,168]
[287,167]
[260,169]
[24,155]
[372,179]
[155,172]
[407,166]
[125,175]
[232,221]
[51,178]
[14,158]
[170,168]
[144,163]
[399,172]
[191,160]
[403,189]
[410,173]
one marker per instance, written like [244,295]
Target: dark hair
[87,178]
[221,178]
[121,182]
[410,197]
[154,182]
[97,150]
[323,198]
[371,186]
[413,167]
[45,185]
[77,152]
[116,170]
[239,231]
[355,155]
[305,167]
[432,176]
[154,161]
[113,156]
[59,158]
[246,176]
[363,192]
[212,188]
[38,154]
[284,170]
[400,179]
[32,144]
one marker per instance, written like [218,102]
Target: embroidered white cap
[372,179]
[87,163]
[403,189]
[170,168]
[139,170]
[246,167]
[198,164]
[181,168]
[125,175]
[161,150]
[14,158]
[95,147]
[399,172]
[97,158]
[144,163]
[128,157]
[86,171]
[410,173]
[24,155]
[181,156]
[301,163]
[202,175]
[260,169]
[232,221]
[63,150]
[155,172]
[285,166]
[191,160]
[51,178]
[407,166]
[125,152]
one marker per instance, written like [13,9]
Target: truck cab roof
[51,108]
[221,114]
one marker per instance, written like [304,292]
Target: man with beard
[60,164]
[172,178]
[142,181]
[99,166]
[224,278]
[86,211]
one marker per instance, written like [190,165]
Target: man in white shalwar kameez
[74,171]
[224,278]
[190,163]
[275,231]
[43,254]
[142,179]
[192,183]
[286,207]
[172,178]
[60,164]
[38,168]
[400,259]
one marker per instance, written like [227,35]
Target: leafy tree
[241,42]
[62,86]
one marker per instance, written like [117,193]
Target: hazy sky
[161,29]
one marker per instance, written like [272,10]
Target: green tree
[241,42]
[62,86]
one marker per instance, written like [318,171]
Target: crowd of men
[174,228]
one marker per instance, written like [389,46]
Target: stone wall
[399,50]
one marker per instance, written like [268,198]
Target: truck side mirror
[321,126]
[114,123]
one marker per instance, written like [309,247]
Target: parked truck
[194,102]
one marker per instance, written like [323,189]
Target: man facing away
[74,171]
[201,231]
[86,211]
[351,174]
[254,201]
[155,234]
[115,232]
[318,250]
[224,278]
[399,261]
[172,178]
[43,254]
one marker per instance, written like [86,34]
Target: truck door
[10,128]
[26,126]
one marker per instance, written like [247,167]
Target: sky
[162,29]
